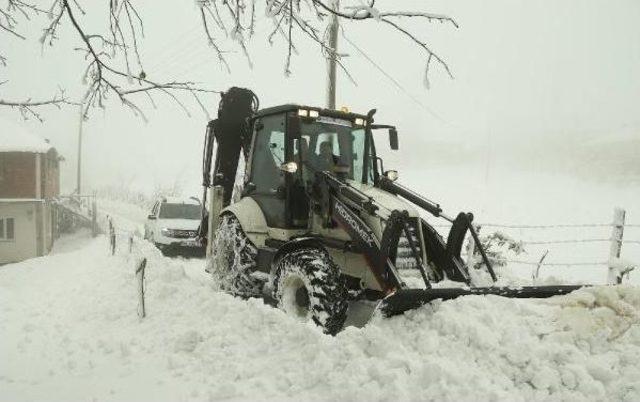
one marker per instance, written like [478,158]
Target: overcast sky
[525,71]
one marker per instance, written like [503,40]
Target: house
[29,181]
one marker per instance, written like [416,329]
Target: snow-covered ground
[505,195]
[69,330]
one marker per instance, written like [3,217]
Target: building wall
[50,168]
[28,181]
[17,175]
[24,244]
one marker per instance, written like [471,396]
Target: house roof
[14,137]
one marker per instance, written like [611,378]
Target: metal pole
[216,197]
[333,44]
[79,177]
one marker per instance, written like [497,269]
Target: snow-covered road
[69,331]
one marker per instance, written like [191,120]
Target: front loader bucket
[407,299]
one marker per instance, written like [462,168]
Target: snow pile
[15,138]
[69,330]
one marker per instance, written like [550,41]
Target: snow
[180,200]
[69,330]
[16,138]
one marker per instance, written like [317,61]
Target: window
[269,154]
[7,229]
[359,157]
[3,169]
[180,211]
[336,147]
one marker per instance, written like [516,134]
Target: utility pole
[79,177]
[333,44]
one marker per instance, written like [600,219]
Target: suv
[173,225]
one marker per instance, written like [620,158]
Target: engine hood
[387,200]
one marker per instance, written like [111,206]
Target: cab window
[269,154]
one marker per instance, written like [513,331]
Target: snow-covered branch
[114,66]
[28,108]
[308,18]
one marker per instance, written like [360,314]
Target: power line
[393,80]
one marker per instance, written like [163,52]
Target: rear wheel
[308,285]
[234,259]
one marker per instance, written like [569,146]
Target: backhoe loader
[314,220]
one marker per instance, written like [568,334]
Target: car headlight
[167,232]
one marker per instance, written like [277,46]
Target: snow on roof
[16,138]
[181,200]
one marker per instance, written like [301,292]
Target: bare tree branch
[103,78]
[289,19]
[114,63]
[111,57]
[27,108]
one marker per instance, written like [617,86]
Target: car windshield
[179,211]
[333,145]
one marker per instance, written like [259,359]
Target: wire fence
[616,265]
[578,225]
[615,240]
[550,226]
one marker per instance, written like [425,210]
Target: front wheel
[308,285]
[234,259]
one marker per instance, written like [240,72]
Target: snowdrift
[69,331]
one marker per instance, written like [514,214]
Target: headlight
[289,167]
[303,113]
[391,175]
[359,122]
[167,232]
[314,113]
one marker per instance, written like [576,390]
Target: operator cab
[291,144]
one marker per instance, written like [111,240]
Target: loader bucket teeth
[408,299]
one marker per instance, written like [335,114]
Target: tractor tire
[308,285]
[234,259]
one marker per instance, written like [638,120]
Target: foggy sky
[525,72]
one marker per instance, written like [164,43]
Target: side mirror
[393,138]
[151,217]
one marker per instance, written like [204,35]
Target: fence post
[614,276]
[140,267]
[112,237]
